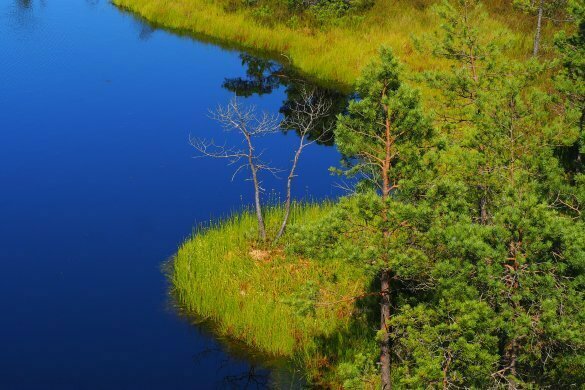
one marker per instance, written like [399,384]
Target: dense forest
[458,259]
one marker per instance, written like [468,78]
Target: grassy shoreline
[333,55]
[231,45]
[272,300]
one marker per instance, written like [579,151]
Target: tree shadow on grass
[355,337]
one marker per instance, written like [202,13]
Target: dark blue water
[98,188]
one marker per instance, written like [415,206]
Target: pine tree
[570,82]
[533,285]
[521,256]
[473,55]
[383,134]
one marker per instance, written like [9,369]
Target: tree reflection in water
[24,4]
[252,377]
[263,76]
[248,380]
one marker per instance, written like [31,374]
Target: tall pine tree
[384,134]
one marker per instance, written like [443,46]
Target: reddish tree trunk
[385,362]
[385,342]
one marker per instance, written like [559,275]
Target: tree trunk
[538,28]
[581,124]
[446,371]
[385,363]
[511,356]
[286,211]
[483,210]
[291,176]
[385,342]
[511,353]
[258,205]
[257,202]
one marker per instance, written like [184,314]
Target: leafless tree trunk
[305,115]
[250,125]
[257,189]
[289,181]
[538,28]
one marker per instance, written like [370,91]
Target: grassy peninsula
[327,44]
[273,298]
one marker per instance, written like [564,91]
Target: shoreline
[331,56]
[268,301]
[230,45]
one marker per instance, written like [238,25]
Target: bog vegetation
[458,260]
[332,40]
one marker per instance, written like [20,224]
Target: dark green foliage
[360,134]
[483,233]
[513,251]
[327,10]
[304,300]
[571,83]
[316,13]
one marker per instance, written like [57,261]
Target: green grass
[274,301]
[334,54]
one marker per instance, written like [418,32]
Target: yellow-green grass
[255,292]
[335,54]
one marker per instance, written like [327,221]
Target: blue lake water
[98,188]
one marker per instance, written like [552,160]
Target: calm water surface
[98,188]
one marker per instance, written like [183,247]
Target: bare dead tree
[249,125]
[306,114]
[536,44]
[553,10]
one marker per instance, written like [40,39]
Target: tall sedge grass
[223,273]
[333,55]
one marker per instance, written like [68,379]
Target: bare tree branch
[306,113]
[235,117]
